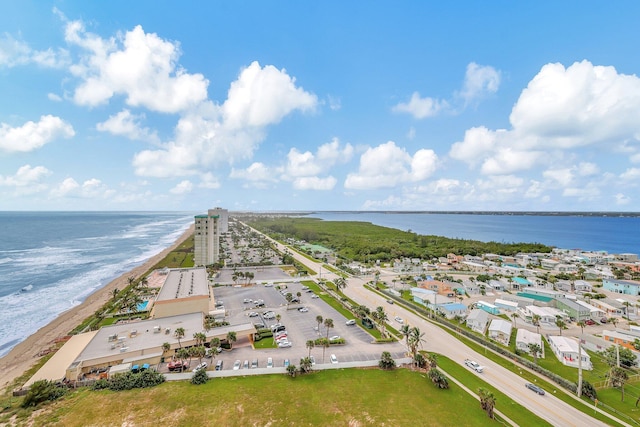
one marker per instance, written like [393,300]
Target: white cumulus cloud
[314,183]
[183,187]
[479,81]
[388,165]
[126,124]
[212,134]
[140,66]
[25,176]
[33,135]
[421,108]
[17,52]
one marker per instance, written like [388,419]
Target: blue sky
[333,105]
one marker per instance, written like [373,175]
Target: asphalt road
[547,407]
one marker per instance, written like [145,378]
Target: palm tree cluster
[247,275]
[414,339]
[380,317]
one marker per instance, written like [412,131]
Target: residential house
[506,305]
[525,337]
[500,330]
[423,296]
[477,320]
[609,309]
[575,311]
[621,337]
[627,287]
[567,350]
[488,307]
[582,286]
[451,310]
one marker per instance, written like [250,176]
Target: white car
[236,365]
[334,359]
[473,365]
[334,338]
[247,301]
[269,362]
[203,365]
[253,314]
[303,309]
[286,363]
[284,344]
[313,360]
[314,296]
[350,322]
[398,319]
[269,315]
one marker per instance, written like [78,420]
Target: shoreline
[25,354]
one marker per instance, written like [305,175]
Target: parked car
[253,314]
[303,309]
[589,322]
[314,296]
[219,364]
[535,388]
[334,359]
[390,301]
[269,362]
[473,365]
[269,315]
[177,365]
[334,338]
[202,365]
[286,363]
[313,360]
[247,301]
[236,365]
[398,319]
[245,365]
[274,326]
[254,363]
[350,322]
[259,325]
[279,329]
[284,344]
[604,320]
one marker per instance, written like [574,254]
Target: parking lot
[300,326]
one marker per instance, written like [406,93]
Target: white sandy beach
[25,354]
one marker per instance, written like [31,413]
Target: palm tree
[614,320]
[328,323]
[199,351]
[291,370]
[200,338]
[165,348]
[278,317]
[114,292]
[404,330]
[310,345]
[514,316]
[432,360]
[617,377]
[179,334]
[560,324]
[416,338]
[438,378]
[626,310]
[182,354]
[319,320]
[535,351]
[582,324]
[386,361]
[231,338]
[381,317]
[536,321]
[340,283]
[131,279]
[487,401]
[305,365]
[289,298]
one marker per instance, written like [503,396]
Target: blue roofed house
[453,309]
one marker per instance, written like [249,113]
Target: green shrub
[42,391]
[130,380]
[200,377]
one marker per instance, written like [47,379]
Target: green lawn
[345,397]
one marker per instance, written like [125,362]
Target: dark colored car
[535,388]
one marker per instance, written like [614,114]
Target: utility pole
[617,355]
[579,368]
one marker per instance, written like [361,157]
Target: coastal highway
[547,407]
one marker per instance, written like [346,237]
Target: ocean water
[614,234]
[51,261]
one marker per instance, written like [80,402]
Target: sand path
[24,355]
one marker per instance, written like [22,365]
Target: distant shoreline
[497,213]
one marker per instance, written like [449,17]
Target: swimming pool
[142,306]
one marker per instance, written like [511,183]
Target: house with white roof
[506,305]
[525,337]
[567,349]
[547,314]
[477,320]
[500,330]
